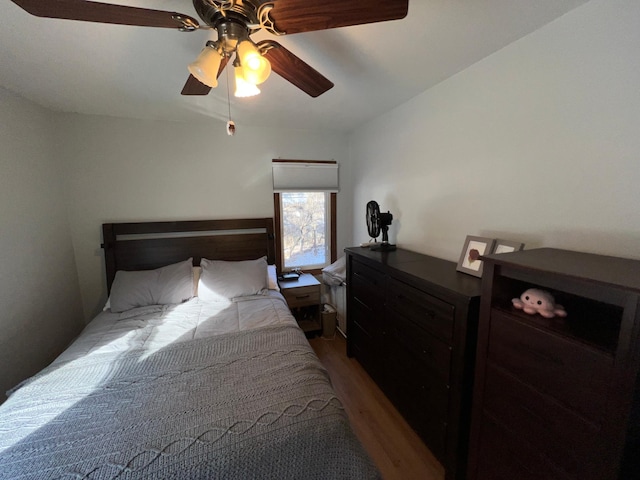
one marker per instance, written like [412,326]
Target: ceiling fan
[235,21]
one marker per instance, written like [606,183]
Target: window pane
[305,239]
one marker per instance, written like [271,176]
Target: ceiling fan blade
[295,16]
[193,86]
[294,70]
[105,13]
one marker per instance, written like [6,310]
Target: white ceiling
[138,72]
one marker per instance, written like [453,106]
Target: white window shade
[305,177]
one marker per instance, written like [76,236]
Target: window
[305,213]
[305,230]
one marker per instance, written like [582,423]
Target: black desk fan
[377,221]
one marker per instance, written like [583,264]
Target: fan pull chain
[231,127]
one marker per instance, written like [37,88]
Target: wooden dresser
[554,398]
[412,322]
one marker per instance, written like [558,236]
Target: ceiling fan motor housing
[230,34]
[240,11]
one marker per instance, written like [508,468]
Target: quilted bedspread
[253,404]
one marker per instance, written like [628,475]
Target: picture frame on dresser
[474,247]
[507,246]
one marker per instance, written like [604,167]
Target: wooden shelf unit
[558,398]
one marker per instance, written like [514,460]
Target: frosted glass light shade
[205,67]
[244,88]
[255,67]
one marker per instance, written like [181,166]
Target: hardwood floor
[394,447]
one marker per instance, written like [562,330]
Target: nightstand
[303,297]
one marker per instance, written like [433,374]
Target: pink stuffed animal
[534,301]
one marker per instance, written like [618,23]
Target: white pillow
[163,286]
[272,278]
[221,280]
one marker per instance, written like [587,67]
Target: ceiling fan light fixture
[205,67]
[244,88]
[255,67]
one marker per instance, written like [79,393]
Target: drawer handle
[430,314]
[300,297]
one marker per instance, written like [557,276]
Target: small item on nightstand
[534,301]
[289,276]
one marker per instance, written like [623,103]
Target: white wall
[39,293]
[539,142]
[134,170]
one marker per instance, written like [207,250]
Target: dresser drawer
[423,391]
[364,348]
[423,401]
[372,354]
[367,284]
[366,318]
[303,296]
[503,455]
[550,428]
[427,352]
[574,374]
[423,309]
[367,274]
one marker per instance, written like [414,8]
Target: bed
[164,384]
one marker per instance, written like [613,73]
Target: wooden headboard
[149,245]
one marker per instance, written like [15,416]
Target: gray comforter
[244,405]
